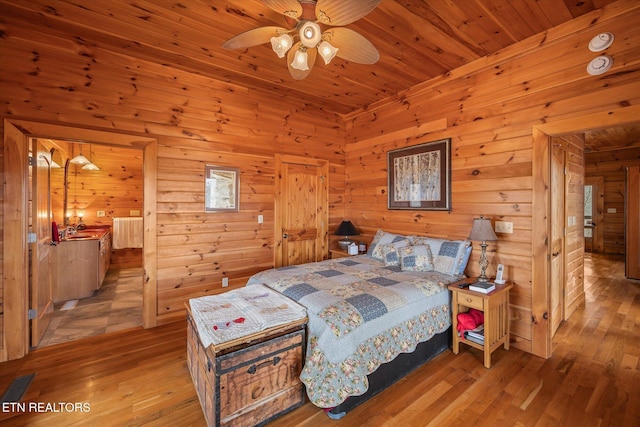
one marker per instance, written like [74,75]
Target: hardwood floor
[140,377]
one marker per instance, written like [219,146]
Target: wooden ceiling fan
[306,39]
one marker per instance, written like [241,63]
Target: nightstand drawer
[471,301]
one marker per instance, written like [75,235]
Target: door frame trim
[541,339]
[16,225]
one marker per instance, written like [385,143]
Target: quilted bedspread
[361,314]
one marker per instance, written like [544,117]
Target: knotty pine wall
[489,109]
[611,165]
[197,121]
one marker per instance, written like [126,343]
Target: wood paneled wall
[197,121]
[489,109]
[611,165]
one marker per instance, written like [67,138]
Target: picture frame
[419,177]
[222,189]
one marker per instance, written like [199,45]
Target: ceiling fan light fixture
[300,60]
[327,51]
[310,34]
[281,44]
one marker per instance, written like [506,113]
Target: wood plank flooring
[140,377]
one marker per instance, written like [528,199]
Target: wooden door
[41,269]
[301,209]
[632,250]
[595,242]
[557,237]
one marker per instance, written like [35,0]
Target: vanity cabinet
[80,266]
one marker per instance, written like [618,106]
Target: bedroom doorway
[17,134]
[301,210]
[594,213]
[541,326]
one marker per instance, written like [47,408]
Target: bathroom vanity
[80,262]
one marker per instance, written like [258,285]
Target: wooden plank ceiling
[417,40]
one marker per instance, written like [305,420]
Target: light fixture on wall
[346,229]
[90,166]
[483,232]
[305,16]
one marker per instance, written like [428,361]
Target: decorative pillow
[416,258]
[382,238]
[449,256]
[389,251]
[465,260]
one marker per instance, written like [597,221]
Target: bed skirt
[388,373]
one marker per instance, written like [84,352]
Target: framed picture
[420,177]
[221,190]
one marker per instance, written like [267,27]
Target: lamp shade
[327,52]
[346,228]
[482,230]
[79,160]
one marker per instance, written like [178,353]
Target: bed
[371,318]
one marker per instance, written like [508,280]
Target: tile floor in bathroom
[116,305]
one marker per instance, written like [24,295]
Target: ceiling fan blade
[311,60]
[253,37]
[341,12]
[352,46]
[290,8]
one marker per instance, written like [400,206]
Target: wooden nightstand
[495,306]
[338,253]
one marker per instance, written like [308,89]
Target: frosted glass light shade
[327,51]
[310,34]
[300,61]
[79,160]
[90,167]
[281,44]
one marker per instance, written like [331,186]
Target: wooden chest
[249,381]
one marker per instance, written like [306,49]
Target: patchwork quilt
[362,313]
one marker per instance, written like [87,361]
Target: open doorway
[594,214]
[97,288]
[542,250]
[16,223]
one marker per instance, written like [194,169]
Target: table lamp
[346,229]
[482,231]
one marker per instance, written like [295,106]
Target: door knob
[285,235]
